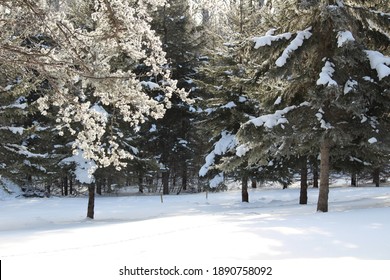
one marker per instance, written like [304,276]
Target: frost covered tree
[91,65]
[325,72]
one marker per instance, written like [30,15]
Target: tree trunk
[315,174]
[354,179]
[322,205]
[184,178]
[303,194]
[70,185]
[99,184]
[165,181]
[376,177]
[140,183]
[254,184]
[244,190]
[91,201]
[65,185]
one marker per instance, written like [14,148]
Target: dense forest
[180,95]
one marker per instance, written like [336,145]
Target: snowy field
[50,238]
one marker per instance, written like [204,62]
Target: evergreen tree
[327,67]
[229,104]
[174,135]
[80,60]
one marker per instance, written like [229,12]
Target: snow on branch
[272,120]
[326,74]
[269,38]
[293,46]
[380,63]
[224,144]
[344,37]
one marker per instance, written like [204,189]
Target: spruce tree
[227,100]
[327,67]
[173,139]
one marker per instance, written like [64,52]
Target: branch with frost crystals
[78,63]
[293,46]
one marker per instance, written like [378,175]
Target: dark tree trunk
[109,184]
[354,179]
[303,194]
[315,174]
[184,180]
[376,177]
[99,184]
[244,189]
[70,185]
[140,183]
[165,181]
[91,201]
[254,184]
[65,185]
[322,205]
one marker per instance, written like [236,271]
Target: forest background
[177,96]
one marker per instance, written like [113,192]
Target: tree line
[178,95]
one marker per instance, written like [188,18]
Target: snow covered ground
[50,238]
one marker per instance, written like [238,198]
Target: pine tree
[327,66]
[228,99]
[79,60]
[174,134]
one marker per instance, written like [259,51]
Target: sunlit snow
[380,63]
[39,237]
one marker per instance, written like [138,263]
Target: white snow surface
[40,238]
[380,63]
[272,120]
[224,144]
[350,86]
[269,38]
[372,140]
[326,75]
[84,168]
[344,37]
[278,100]
[293,46]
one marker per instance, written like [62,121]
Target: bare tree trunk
[322,205]
[254,184]
[244,189]
[315,174]
[165,181]
[303,194]
[184,178]
[91,201]
[65,185]
[354,179]
[70,185]
[99,183]
[140,183]
[376,177]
